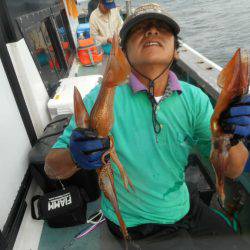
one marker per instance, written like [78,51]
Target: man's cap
[145,12]
[109,4]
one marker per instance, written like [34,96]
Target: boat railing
[199,70]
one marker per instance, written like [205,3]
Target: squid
[101,119]
[234,81]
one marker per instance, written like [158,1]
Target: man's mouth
[149,44]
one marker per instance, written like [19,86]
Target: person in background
[104,22]
[158,120]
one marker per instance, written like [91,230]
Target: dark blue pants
[201,228]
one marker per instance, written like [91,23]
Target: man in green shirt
[158,120]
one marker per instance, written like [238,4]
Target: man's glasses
[144,26]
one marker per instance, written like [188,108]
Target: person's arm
[76,148]
[59,164]
[85,150]
[94,31]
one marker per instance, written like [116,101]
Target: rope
[156,124]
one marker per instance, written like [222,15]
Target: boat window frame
[35,20]
[59,9]
[38,66]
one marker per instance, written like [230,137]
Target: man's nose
[152,30]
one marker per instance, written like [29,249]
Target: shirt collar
[100,14]
[173,82]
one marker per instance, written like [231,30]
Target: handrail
[200,68]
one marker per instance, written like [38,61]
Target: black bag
[40,150]
[62,208]
[86,179]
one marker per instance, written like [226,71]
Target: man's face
[103,9]
[150,42]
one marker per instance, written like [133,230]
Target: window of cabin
[64,39]
[48,36]
[43,53]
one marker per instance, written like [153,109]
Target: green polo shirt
[155,164]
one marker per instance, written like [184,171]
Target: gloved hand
[87,149]
[236,120]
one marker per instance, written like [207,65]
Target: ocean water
[215,28]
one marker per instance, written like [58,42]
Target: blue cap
[109,4]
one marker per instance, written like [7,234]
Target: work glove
[247,167]
[236,119]
[87,149]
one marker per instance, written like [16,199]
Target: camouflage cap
[145,12]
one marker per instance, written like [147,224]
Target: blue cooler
[83,31]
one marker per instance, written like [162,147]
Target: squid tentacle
[127,182]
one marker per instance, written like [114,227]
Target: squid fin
[234,78]
[226,75]
[81,113]
[245,73]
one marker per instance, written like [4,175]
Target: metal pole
[128,7]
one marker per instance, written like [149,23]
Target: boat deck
[63,238]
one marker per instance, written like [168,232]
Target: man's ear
[176,55]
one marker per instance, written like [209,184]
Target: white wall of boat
[14,148]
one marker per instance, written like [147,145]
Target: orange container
[89,54]
[86,42]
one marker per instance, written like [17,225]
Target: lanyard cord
[156,124]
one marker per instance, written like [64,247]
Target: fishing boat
[38,67]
